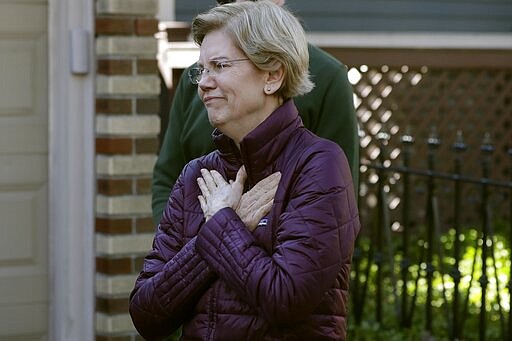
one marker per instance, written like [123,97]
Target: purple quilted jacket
[287,280]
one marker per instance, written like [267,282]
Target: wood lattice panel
[473,101]
[420,100]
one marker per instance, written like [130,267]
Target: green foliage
[497,269]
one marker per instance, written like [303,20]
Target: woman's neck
[239,129]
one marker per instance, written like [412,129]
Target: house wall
[127,126]
[393,15]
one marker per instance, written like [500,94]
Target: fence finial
[459,144]
[487,146]
[407,138]
[433,139]
[383,136]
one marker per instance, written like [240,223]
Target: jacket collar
[261,147]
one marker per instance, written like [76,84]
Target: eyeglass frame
[195,74]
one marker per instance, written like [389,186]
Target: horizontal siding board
[393,15]
[192,7]
[401,7]
[405,15]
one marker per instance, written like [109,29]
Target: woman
[257,237]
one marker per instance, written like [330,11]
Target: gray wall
[387,15]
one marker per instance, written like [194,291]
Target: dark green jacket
[328,111]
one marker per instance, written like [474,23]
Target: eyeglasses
[196,74]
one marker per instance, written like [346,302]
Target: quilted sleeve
[173,278]
[315,234]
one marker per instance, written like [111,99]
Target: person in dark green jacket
[328,111]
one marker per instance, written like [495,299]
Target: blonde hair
[269,35]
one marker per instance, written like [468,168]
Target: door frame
[71,172]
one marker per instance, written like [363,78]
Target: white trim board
[71,175]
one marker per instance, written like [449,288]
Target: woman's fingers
[208,178]
[214,179]
[203,187]
[217,192]
[202,202]
[217,178]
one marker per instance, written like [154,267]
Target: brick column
[127,128]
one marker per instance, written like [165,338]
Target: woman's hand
[217,193]
[257,202]
[251,207]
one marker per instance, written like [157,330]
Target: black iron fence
[449,275]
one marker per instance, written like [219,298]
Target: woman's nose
[206,80]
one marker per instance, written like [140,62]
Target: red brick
[113,225]
[114,266]
[115,67]
[147,66]
[148,105]
[113,106]
[113,145]
[114,26]
[143,185]
[138,262]
[146,27]
[146,145]
[114,186]
[144,225]
[111,305]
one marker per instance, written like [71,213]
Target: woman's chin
[215,119]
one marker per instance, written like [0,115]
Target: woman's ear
[274,80]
